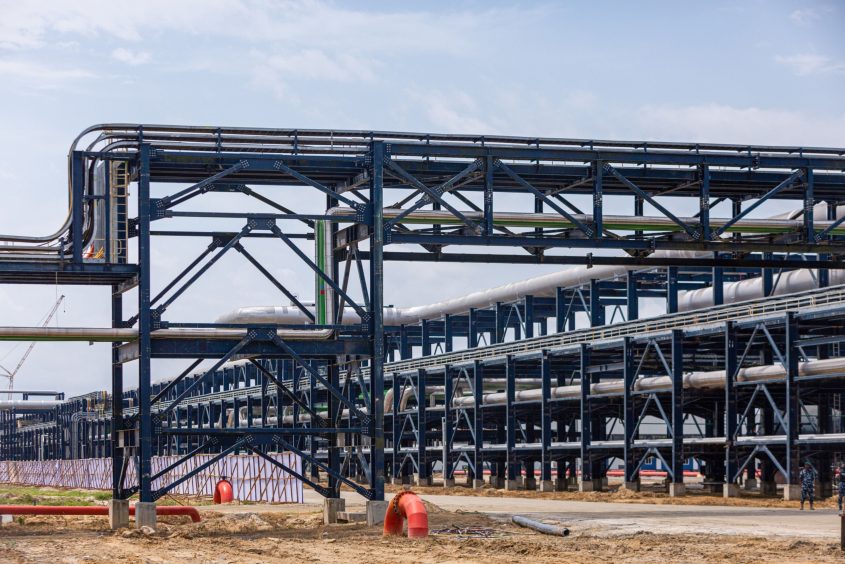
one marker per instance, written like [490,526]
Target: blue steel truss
[331,375]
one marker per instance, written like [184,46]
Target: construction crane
[10,374]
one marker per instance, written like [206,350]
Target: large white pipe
[30,405]
[546,285]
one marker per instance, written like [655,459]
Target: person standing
[808,485]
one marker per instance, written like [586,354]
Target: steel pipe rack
[440,198]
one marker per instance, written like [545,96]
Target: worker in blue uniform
[841,483]
[808,485]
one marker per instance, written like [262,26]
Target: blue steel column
[586,422]
[117,396]
[632,297]
[730,408]
[472,329]
[529,317]
[672,289]
[546,423]
[478,422]
[629,374]
[598,203]
[77,187]
[488,196]
[560,310]
[376,325]
[396,471]
[793,411]
[677,411]
[144,327]
[448,429]
[809,204]
[704,203]
[510,414]
[423,476]
[596,307]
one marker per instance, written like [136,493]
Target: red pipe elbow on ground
[406,505]
[179,510]
[223,492]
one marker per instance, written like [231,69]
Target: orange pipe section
[406,505]
[93,510]
[223,492]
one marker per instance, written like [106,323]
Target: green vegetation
[29,495]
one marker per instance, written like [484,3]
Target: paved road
[626,518]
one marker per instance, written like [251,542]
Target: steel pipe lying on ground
[540,527]
[161,510]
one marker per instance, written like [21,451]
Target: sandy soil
[617,494]
[299,536]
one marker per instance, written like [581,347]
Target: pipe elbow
[406,506]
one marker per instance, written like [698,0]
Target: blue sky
[734,72]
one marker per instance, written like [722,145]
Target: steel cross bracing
[450,191]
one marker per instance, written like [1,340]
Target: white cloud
[320,65]
[39,76]
[810,63]
[719,123]
[804,16]
[451,112]
[290,22]
[129,57]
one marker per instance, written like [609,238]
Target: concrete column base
[677,490]
[561,484]
[632,486]
[530,483]
[497,482]
[512,485]
[751,483]
[375,512]
[448,482]
[547,486]
[145,515]
[587,486]
[397,481]
[422,480]
[331,507]
[768,488]
[730,490]
[604,483]
[478,484]
[118,513]
[791,492]
[520,481]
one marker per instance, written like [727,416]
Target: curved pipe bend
[406,505]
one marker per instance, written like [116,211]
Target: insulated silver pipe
[93,334]
[30,405]
[831,368]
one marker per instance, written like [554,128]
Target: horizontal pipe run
[30,405]
[833,367]
[94,334]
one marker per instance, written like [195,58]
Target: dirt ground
[300,536]
[651,493]
[296,533]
